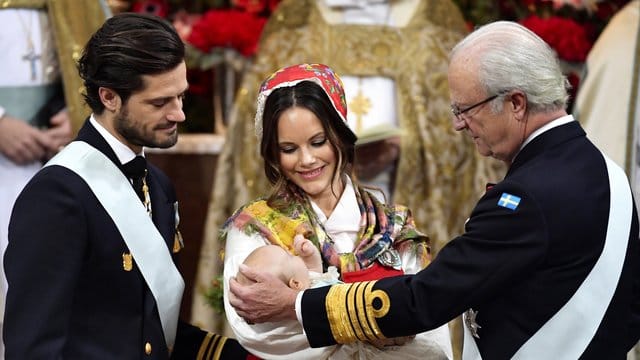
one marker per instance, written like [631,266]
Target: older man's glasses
[457,111]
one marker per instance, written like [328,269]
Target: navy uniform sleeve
[504,238]
[195,343]
[43,261]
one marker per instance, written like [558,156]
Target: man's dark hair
[127,46]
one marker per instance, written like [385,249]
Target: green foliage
[215,295]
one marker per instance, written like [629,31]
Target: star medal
[470,322]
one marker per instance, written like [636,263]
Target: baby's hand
[308,252]
[303,246]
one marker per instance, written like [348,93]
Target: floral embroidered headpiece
[292,75]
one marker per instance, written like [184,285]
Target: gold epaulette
[352,310]
[211,347]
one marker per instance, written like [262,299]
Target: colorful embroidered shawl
[381,227]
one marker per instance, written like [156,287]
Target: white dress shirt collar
[123,152]
[343,223]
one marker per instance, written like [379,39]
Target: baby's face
[299,271]
[294,269]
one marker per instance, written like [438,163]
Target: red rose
[255,6]
[566,36]
[252,6]
[227,28]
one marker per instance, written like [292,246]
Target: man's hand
[308,252]
[268,299]
[22,143]
[60,132]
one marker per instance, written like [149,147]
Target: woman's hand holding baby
[308,252]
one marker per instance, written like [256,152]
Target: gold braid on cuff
[352,313]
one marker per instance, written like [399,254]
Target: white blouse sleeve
[272,340]
[410,263]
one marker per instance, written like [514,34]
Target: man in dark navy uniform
[548,265]
[91,261]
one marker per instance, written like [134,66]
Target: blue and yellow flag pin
[509,201]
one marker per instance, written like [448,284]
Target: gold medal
[178,243]
[127,262]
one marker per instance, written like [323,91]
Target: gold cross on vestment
[360,106]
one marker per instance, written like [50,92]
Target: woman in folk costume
[398,56]
[309,152]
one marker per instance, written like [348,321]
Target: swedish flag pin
[509,201]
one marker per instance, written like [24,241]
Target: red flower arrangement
[569,26]
[221,37]
[237,25]
[231,28]
[566,36]
[256,6]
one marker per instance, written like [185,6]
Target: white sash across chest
[569,331]
[149,250]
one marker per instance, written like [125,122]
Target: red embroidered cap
[289,76]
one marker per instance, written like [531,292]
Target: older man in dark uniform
[91,261]
[548,265]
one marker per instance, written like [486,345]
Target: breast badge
[127,262]
[178,242]
[470,322]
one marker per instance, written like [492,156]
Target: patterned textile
[381,227]
[291,75]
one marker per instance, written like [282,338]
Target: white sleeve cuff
[299,308]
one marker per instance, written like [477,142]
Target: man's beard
[135,134]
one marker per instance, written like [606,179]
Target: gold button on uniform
[147,348]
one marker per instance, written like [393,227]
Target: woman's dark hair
[311,96]
[127,46]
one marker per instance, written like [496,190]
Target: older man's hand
[266,299]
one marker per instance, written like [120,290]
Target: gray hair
[511,57]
